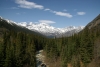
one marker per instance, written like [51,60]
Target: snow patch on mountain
[9,21]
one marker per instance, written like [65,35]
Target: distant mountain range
[42,28]
[48,30]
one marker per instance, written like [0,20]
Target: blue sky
[58,13]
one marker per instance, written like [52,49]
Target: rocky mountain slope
[94,22]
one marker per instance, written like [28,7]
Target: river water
[40,58]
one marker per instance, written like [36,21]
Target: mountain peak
[1,17]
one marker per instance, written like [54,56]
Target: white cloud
[47,9]
[65,14]
[62,14]
[47,21]
[28,5]
[81,13]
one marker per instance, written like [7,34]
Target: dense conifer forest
[75,49]
[19,49]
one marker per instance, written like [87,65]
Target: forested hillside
[8,26]
[79,50]
[19,49]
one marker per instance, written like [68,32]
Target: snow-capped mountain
[47,29]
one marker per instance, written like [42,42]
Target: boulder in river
[43,65]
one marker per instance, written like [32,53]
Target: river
[40,59]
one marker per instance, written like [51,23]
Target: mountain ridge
[94,22]
[48,30]
[8,25]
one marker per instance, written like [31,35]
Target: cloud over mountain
[81,13]
[65,14]
[46,21]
